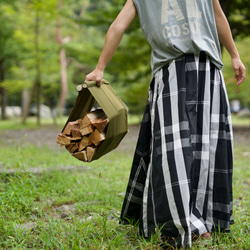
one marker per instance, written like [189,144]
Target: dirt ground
[46,135]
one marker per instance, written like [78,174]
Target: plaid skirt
[181,176]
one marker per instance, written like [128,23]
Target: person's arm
[112,41]
[226,39]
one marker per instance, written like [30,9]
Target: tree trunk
[36,88]
[3,91]
[25,101]
[63,65]
[38,72]
[29,100]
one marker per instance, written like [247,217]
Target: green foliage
[129,70]
[84,26]
[238,13]
[242,92]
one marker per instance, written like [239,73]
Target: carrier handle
[89,84]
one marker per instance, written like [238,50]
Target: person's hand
[96,75]
[239,70]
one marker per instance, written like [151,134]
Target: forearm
[112,41]
[225,36]
[226,39]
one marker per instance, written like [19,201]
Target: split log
[86,130]
[96,137]
[83,136]
[71,126]
[63,139]
[101,124]
[76,135]
[97,118]
[90,152]
[82,156]
[72,147]
[75,132]
[85,142]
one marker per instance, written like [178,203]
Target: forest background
[47,48]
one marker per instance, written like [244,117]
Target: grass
[31,122]
[240,121]
[94,194]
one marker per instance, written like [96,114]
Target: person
[181,175]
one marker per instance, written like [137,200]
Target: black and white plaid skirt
[181,177]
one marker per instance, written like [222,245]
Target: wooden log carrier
[83,136]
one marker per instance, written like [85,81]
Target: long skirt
[181,178]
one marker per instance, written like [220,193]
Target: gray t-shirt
[177,27]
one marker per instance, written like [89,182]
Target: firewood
[72,147]
[97,118]
[70,126]
[96,137]
[76,137]
[86,130]
[85,142]
[75,133]
[101,124]
[82,156]
[83,136]
[63,139]
[90,152]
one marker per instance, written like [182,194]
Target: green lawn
[93,194]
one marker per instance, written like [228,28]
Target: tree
[128,75]
[6,49]
[63,62]
[238,14]
[33,42]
